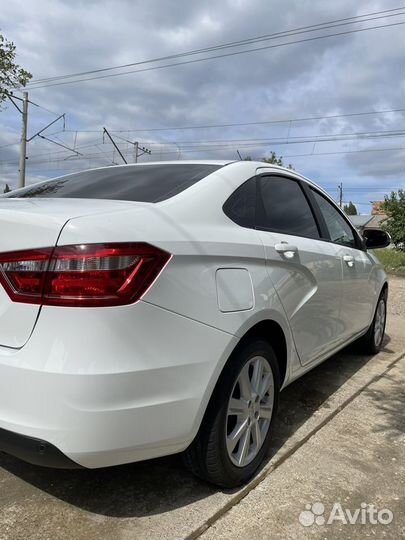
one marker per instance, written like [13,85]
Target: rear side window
[143,183]
[241,205]
[283,207]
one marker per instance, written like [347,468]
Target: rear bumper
[35,451]
[106,387]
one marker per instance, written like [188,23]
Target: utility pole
[340,188]
[24,126]
[115,146]
[140,151]
[23,143]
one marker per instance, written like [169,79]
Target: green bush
[394,207]
[392,259]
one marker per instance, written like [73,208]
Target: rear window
[143,183]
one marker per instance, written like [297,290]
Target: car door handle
[349,260]
[286,249]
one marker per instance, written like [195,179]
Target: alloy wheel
[249,411]
[379,323]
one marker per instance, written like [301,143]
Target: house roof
[376,220]
[368,221]
[361,221]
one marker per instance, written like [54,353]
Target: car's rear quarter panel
[111,386]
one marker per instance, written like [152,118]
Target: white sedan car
[159,308]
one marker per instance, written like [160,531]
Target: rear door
[359,288]
[306,271]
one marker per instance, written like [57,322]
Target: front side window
[339,230]
[283,207]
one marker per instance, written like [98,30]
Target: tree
[12,76]
[276,160]
[350,209]
[6,189]
[273,159]
[394,207]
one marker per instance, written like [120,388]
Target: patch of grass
[392,259]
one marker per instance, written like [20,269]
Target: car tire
[372,341]
[212,456]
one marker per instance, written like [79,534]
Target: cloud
[337,75]
[379,166]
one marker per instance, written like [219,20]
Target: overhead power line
[362,188]
[55,82]
[290,139]
[43,108]
[371,150]
[238,43]
[103,154]
[12,96]
[360,18]
[241,124]
[224,144]
[268,140]
[9,144]
[215,57]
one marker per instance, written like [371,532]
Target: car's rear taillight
[82,275]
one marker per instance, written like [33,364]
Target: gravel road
[396,304]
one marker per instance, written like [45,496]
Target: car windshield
[143,183]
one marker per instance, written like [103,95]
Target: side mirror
[376,238]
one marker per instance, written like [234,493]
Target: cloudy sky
[317,87]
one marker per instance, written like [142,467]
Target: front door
[359,287]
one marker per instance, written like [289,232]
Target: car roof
[219,162]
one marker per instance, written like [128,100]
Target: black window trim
[319,223]
[317,212]
[307,189]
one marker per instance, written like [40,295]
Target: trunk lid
[30,224]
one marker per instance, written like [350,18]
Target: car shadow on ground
[304,397]
[390,405]
[162,485]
